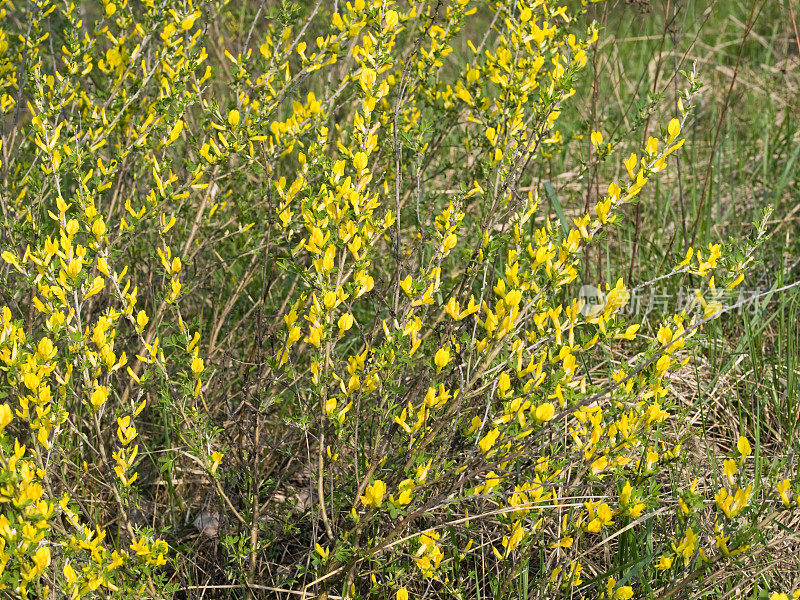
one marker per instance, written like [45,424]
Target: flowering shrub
[283,309]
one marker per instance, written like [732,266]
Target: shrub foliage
[289,304]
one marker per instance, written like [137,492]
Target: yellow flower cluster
[25,521]
[66,366]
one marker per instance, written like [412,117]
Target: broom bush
[289,309]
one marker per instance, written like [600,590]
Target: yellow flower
[99,396]
[674,129]
[565,542]
[141,321]
[449,243]
[74,267]
[197,366]
[114,57]
[140,546]
[233,118]
[374,494]
[729,468]
[41,559]
[345,322]
[503,384]
[441,358]
[687,545]
[406,489]
[616,298]
[601,464]
[99,228]
[391,17]
[323,552]
[600,514]
[367,79]
[315,336]
[69,574]
[630,165]
[651,458]
[125,431]
[602,209]
[188,22]
[743,446]
[488,440]
[97,286]
[5,416]
[625,494]
[452,308]
[712,309]
[783,486]
[360,161]
[402,593]
[10,258]
[637,510]
[325,264]
[406,284]
[216,458]
[623,593]
[630,333]
[329,299]
[545,412]
[422,471]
